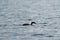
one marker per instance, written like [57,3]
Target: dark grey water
[14,13]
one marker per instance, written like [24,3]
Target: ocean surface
[15,13]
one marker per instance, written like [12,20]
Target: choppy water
[14,13]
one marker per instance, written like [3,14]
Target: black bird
[29,24]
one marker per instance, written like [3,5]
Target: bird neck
[31,23]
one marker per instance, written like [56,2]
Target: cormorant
[29,24]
